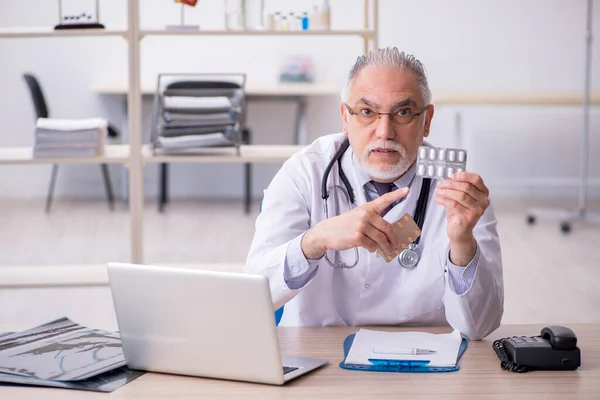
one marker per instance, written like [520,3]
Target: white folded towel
[196,102]
[179,142]
[56,124]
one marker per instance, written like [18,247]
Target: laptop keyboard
[287,370]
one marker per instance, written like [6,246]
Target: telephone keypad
[527,339]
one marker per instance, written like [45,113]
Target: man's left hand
[465,198]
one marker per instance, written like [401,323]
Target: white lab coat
[374,292]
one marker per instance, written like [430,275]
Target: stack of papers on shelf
[199,151]
[69,137]
[195,105]
[188,141]
[192,119]
[64,354]
[381,350]
[173,119]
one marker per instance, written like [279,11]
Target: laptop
[200,323]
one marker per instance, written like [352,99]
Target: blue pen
[402,363]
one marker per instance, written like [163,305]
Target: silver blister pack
[440,163]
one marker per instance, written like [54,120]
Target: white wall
[466,45]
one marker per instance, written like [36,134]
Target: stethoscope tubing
[409,258]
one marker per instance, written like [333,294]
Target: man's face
[385,148]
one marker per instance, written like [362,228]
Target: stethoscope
[409,257]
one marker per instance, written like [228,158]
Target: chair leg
[108,187]
[163,185]
[51,188]
[166,183]
[248,187]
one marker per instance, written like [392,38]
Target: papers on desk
[64,354]
[371,347]
[69,137]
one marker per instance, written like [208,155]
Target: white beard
[385,172]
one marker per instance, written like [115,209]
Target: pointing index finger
[384,201]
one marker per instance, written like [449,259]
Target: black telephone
[555,349]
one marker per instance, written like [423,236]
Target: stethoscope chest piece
[409,258]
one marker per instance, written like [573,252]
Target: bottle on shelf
[234,18]
[315,18]
[305,21]
[325,15]
[291,18]
[268,21]
[299,23]
[284,23]
[277,21]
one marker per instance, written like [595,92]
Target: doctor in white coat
[386,111]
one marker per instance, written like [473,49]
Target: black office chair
[41,110]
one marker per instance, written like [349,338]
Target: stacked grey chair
[199,114]
[193,112]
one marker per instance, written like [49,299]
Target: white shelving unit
[136,155]
[248,154]
[280,89]
[119,154]
[113,154]
[366,33]
[49,32]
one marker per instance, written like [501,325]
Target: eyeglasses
[366,116]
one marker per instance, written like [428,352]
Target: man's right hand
[360,227]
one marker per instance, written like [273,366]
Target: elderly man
[330,210]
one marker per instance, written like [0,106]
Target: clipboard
[406,367]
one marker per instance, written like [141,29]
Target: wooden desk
[480,375]
[281,89]
[296,92]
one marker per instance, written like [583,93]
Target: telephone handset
[555,349]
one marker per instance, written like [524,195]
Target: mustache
[385,144]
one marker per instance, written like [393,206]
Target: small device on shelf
[82,20]
[182,25]
[297,69]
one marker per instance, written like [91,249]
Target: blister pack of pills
[440,163]
[407,231]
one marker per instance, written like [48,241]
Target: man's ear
[428,118]
[344,114]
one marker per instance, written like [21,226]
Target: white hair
[393,58]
